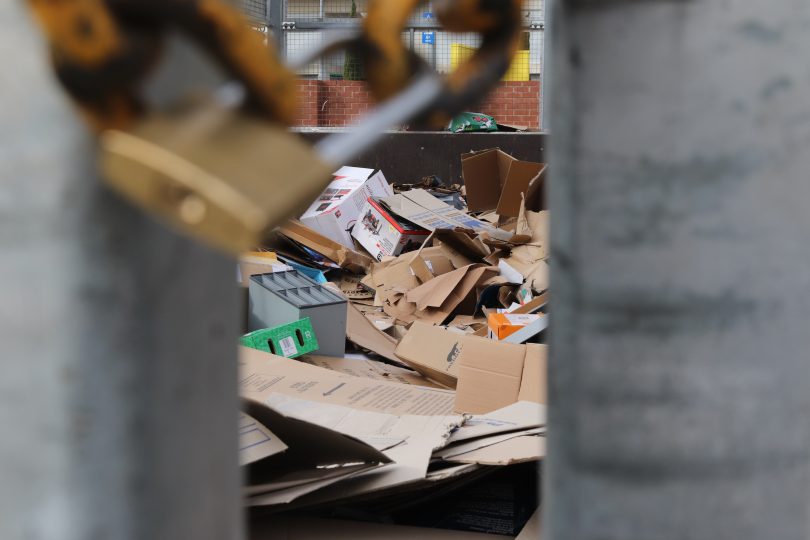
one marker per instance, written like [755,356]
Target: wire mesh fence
[298,26]
[256,10]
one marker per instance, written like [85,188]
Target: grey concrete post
[681,271]
[117,357]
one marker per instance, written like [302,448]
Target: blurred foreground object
[222,176]
[118,376]
[679,340]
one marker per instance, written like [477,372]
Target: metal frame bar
[339,24]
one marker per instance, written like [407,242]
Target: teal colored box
[289,340]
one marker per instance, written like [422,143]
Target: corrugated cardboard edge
[338,253]
[362,332]
[407,351]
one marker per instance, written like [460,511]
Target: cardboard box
[495,181]
[492,374]
[336,211]
[515,327]
[383,234]
[288,340]
[433,351]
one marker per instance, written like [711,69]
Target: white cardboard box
[335,212]
[382,234]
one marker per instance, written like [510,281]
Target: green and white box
[290,340]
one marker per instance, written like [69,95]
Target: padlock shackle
[391,66]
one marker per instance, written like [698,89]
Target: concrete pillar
[681,271]
[117,338]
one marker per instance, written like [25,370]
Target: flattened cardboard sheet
[369,369]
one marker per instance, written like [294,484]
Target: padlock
[226,177]
[216,173]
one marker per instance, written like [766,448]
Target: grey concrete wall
[117,357]
[680,337]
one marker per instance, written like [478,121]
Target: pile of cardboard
[394,350]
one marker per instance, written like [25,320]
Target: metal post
[275,18]
[548,6]
[117,364]
[681,331]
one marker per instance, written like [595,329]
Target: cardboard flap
[472,248]
[449,292]
[511,451]
[496,181]
[432,351]
[521,175]
[482,177]
[437,290]
[313,443]
[533,306]
[533,382]
[489,375]
[362,332]
[535,196]
[395,275]
[256,442]
[334,251]
[421,270]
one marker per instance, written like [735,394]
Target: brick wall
[308,95]
[341,102]
[338,103]
[514,102]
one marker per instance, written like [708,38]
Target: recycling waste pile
[392,371]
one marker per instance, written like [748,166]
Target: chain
[102,50]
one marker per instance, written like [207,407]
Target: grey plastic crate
[283,297]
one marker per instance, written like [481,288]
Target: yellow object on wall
[518,71]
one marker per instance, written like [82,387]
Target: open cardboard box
[336,211]
[493,374]
[486,374]
[495,181]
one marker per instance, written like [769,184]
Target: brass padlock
[216,173]
[226,177]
